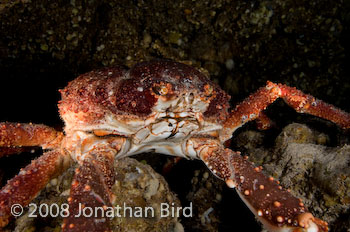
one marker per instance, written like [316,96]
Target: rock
[137,185]
[318,174]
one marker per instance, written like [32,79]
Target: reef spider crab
[160,106]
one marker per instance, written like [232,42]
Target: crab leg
[275,207]
[252,107]
[27,184]
[14,136]
[263,122]
[90,194]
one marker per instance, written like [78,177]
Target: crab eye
[208,89]
[160,90]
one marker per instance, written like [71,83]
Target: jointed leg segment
[274,206]
[14,136]
[91,187]
[27,184]
[252,107]
[263,121]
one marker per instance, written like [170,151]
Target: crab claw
[273,206]
[90,195]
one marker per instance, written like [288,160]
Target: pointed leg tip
[230,183]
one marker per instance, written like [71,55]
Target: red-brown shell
[118,91]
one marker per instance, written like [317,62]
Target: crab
[158,106]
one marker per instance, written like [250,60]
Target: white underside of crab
[168,136]
[164,131]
